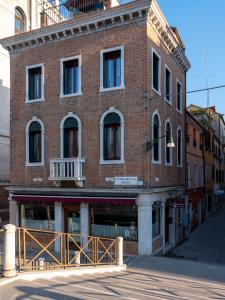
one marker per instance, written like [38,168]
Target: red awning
[70,199]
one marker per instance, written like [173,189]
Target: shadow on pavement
[214,273]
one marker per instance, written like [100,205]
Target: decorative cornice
[97,21]
[81,25]
[164,31]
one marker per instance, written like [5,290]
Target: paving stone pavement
[207,242]
[147,278]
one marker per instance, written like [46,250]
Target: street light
[170,144]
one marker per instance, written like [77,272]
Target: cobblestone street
[206,243]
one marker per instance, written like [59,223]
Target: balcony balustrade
[67,169]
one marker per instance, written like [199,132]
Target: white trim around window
[42,83]
[111,162]
[42,163]
[122,85]
[171,86]
[159,72]
[62,60]
[171,149]
[181,148]
[70,115]
[157,162]
[181,98]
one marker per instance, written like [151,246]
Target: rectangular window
[156,64]
[71,76]
[35,83]
[112,69]
[179,97]
[168,85]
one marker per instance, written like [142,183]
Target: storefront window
[74,222]
[38,216]
[113,221]
[156,220]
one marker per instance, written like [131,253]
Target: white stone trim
[62,60]
[156,112]
[181,148]
[111,162]
[171,152]
[159,74]
[27,101]
[171,85]
[42,163]
[122,86]
[70,115]
[181,98]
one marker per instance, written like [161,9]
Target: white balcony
[67,169]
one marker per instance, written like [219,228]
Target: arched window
[35,142]
[156,138]
[70,131]
[179,148]
[194,138]
[112,137]
[19,21]
[168,140]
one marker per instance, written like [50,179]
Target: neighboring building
[213,154]
[88,97]
[15,17]
[195,171]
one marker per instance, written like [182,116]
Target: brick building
[213,155]
[89,97]
[195,171]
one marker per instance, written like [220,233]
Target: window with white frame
[156,138]
[112,68]
[35,83]
[20,24]
[168,85]
[179,147]
[168,137]
[35,142]
[70,136]
[70,76]
[112,137]
[156,72]
[179,96]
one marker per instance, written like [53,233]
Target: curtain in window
[112,69]
[35,83]
[168,149]
[35,142]
[156,138]
[112,137]
[70,77]
[70,138]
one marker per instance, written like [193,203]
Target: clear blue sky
[201,24]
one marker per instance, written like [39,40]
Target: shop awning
[73,199]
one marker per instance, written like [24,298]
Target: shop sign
[127,181]
[177,202]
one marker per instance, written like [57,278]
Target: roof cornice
[164,31]
[91,22]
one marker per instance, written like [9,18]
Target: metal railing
[55,11]
[44,250]
[66,169]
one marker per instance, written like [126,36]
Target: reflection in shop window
[37,216]
[156,220]
[112,221]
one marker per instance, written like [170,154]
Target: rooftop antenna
[207,76]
